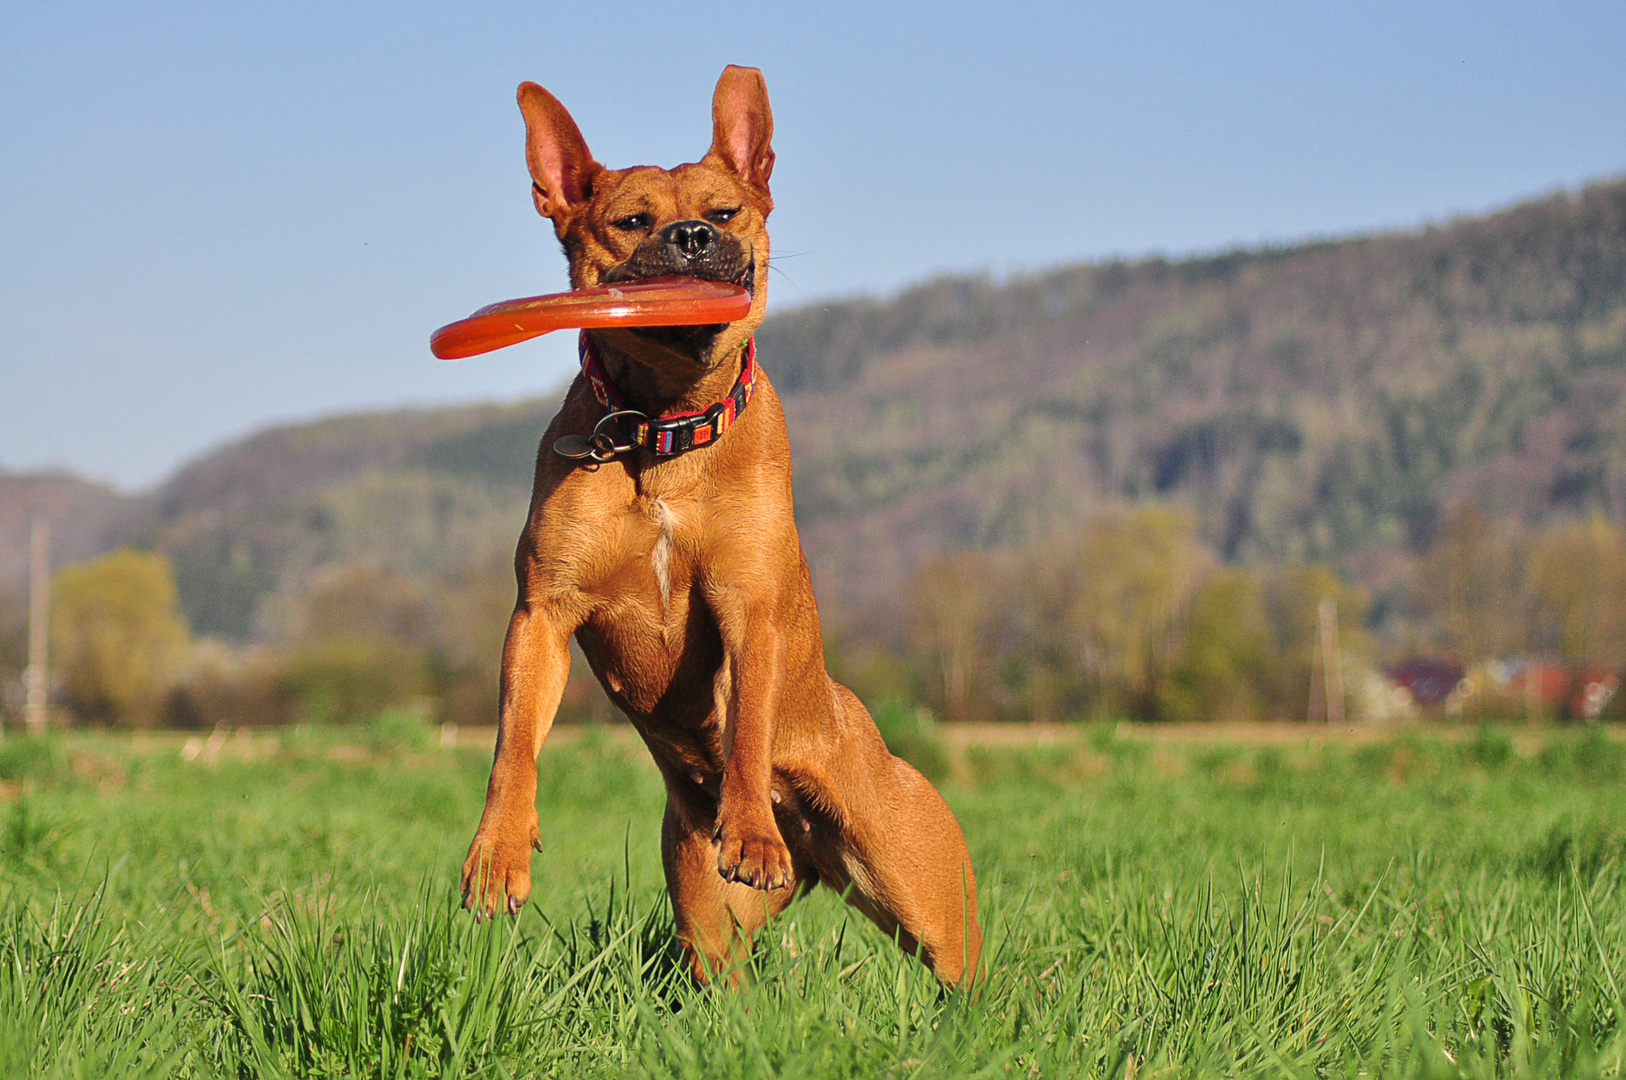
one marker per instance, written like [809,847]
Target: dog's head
[704,220]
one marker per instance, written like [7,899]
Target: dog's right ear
[562,168]
[742,125]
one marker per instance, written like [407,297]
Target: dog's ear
[742,125]
[562,168]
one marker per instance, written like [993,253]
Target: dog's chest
[646,611]
[664,520]
[652,566]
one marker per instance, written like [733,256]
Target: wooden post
[1332,667]
[36,682]
[1318,681]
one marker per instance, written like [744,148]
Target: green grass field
[1414,907]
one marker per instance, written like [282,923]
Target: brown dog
[679,570]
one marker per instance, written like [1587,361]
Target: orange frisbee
[664,301]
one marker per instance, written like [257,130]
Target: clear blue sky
[218,216]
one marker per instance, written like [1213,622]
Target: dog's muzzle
[690,248]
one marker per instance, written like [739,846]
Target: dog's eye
[635,223]
[719,217]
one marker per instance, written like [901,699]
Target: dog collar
[623,429]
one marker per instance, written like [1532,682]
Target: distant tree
[13,646]
[1108,611]
[1577,581]
[1045,662]
[364,641]
[1222,671]
[1469,588]
[471,610]
[1138,576]
[118,640]
[951,597]
[359,600]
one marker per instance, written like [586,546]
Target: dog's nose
[691,238]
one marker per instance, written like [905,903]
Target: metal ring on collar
[604,445]
[600,446]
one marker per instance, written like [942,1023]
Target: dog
[660,533]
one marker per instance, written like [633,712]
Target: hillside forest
[1181,490]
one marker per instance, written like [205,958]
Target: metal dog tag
[573,446]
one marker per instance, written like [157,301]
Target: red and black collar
[623,429]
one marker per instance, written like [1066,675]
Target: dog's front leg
[535,663]
[750,849]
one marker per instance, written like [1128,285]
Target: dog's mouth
[694,342]
[745,277]
[720,258]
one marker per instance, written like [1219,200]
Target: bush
[350,679]
[232,688]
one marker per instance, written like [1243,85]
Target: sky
[217,217]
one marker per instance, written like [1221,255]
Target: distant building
[1430,684]
[1509,689]
[1572,693]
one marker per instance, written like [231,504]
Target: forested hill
[1326,400]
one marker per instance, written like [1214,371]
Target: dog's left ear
[742,125]
[562,168]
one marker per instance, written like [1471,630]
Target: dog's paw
[497,871]
[754,856]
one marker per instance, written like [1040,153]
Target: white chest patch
[661,557]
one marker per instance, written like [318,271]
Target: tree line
[1131,614]
[1134,615]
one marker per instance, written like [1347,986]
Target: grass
[1411,907]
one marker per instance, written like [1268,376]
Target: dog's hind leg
[901,858]
[715,918]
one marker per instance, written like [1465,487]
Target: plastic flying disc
[664,301]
